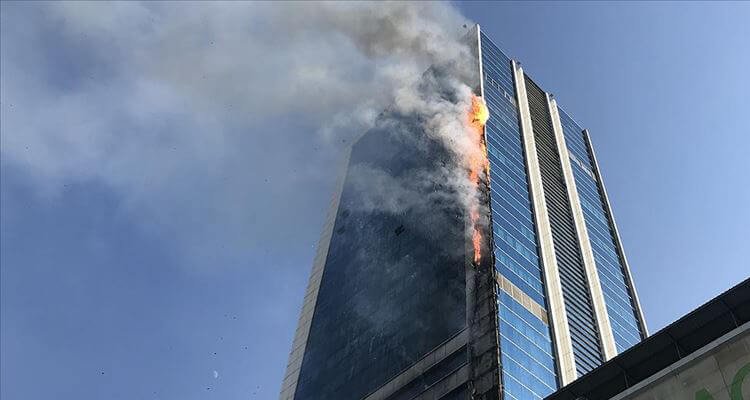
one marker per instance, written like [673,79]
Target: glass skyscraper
[396,309]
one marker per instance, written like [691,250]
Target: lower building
[703,356]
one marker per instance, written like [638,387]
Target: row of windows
[582,165]
[517,238]
[520,204]
[519,276]
[611,277]
[523,226]
[516,390]
[520,246]
[617,297]
[528,364]
[526,347]
[510,196]
[534,331]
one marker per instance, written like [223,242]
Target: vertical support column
[289,385]
[618,241]
[556,304]
[606,336]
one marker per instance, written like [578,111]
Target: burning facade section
[456,261]
[478,171]
[394,277]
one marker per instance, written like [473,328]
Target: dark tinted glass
[393,287]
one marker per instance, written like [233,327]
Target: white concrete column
[606,337]
[558,316]
[618,241]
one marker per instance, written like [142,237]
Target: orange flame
[478,116]
[479,112]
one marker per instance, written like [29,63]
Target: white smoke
[448,121]
[212,121]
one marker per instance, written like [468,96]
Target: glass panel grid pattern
[584,332]
[616,291]
[526,352]
[393,287]
[527,356]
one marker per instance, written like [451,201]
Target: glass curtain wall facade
[612,273]
[397,310]
[531,364]
[526,352]
[389,277]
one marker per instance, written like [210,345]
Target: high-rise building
[397,306]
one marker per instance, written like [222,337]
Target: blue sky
[166,173]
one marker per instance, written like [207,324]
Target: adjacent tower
[396,307]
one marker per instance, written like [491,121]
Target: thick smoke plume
[217,123]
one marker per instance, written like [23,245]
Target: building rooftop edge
[672,343]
